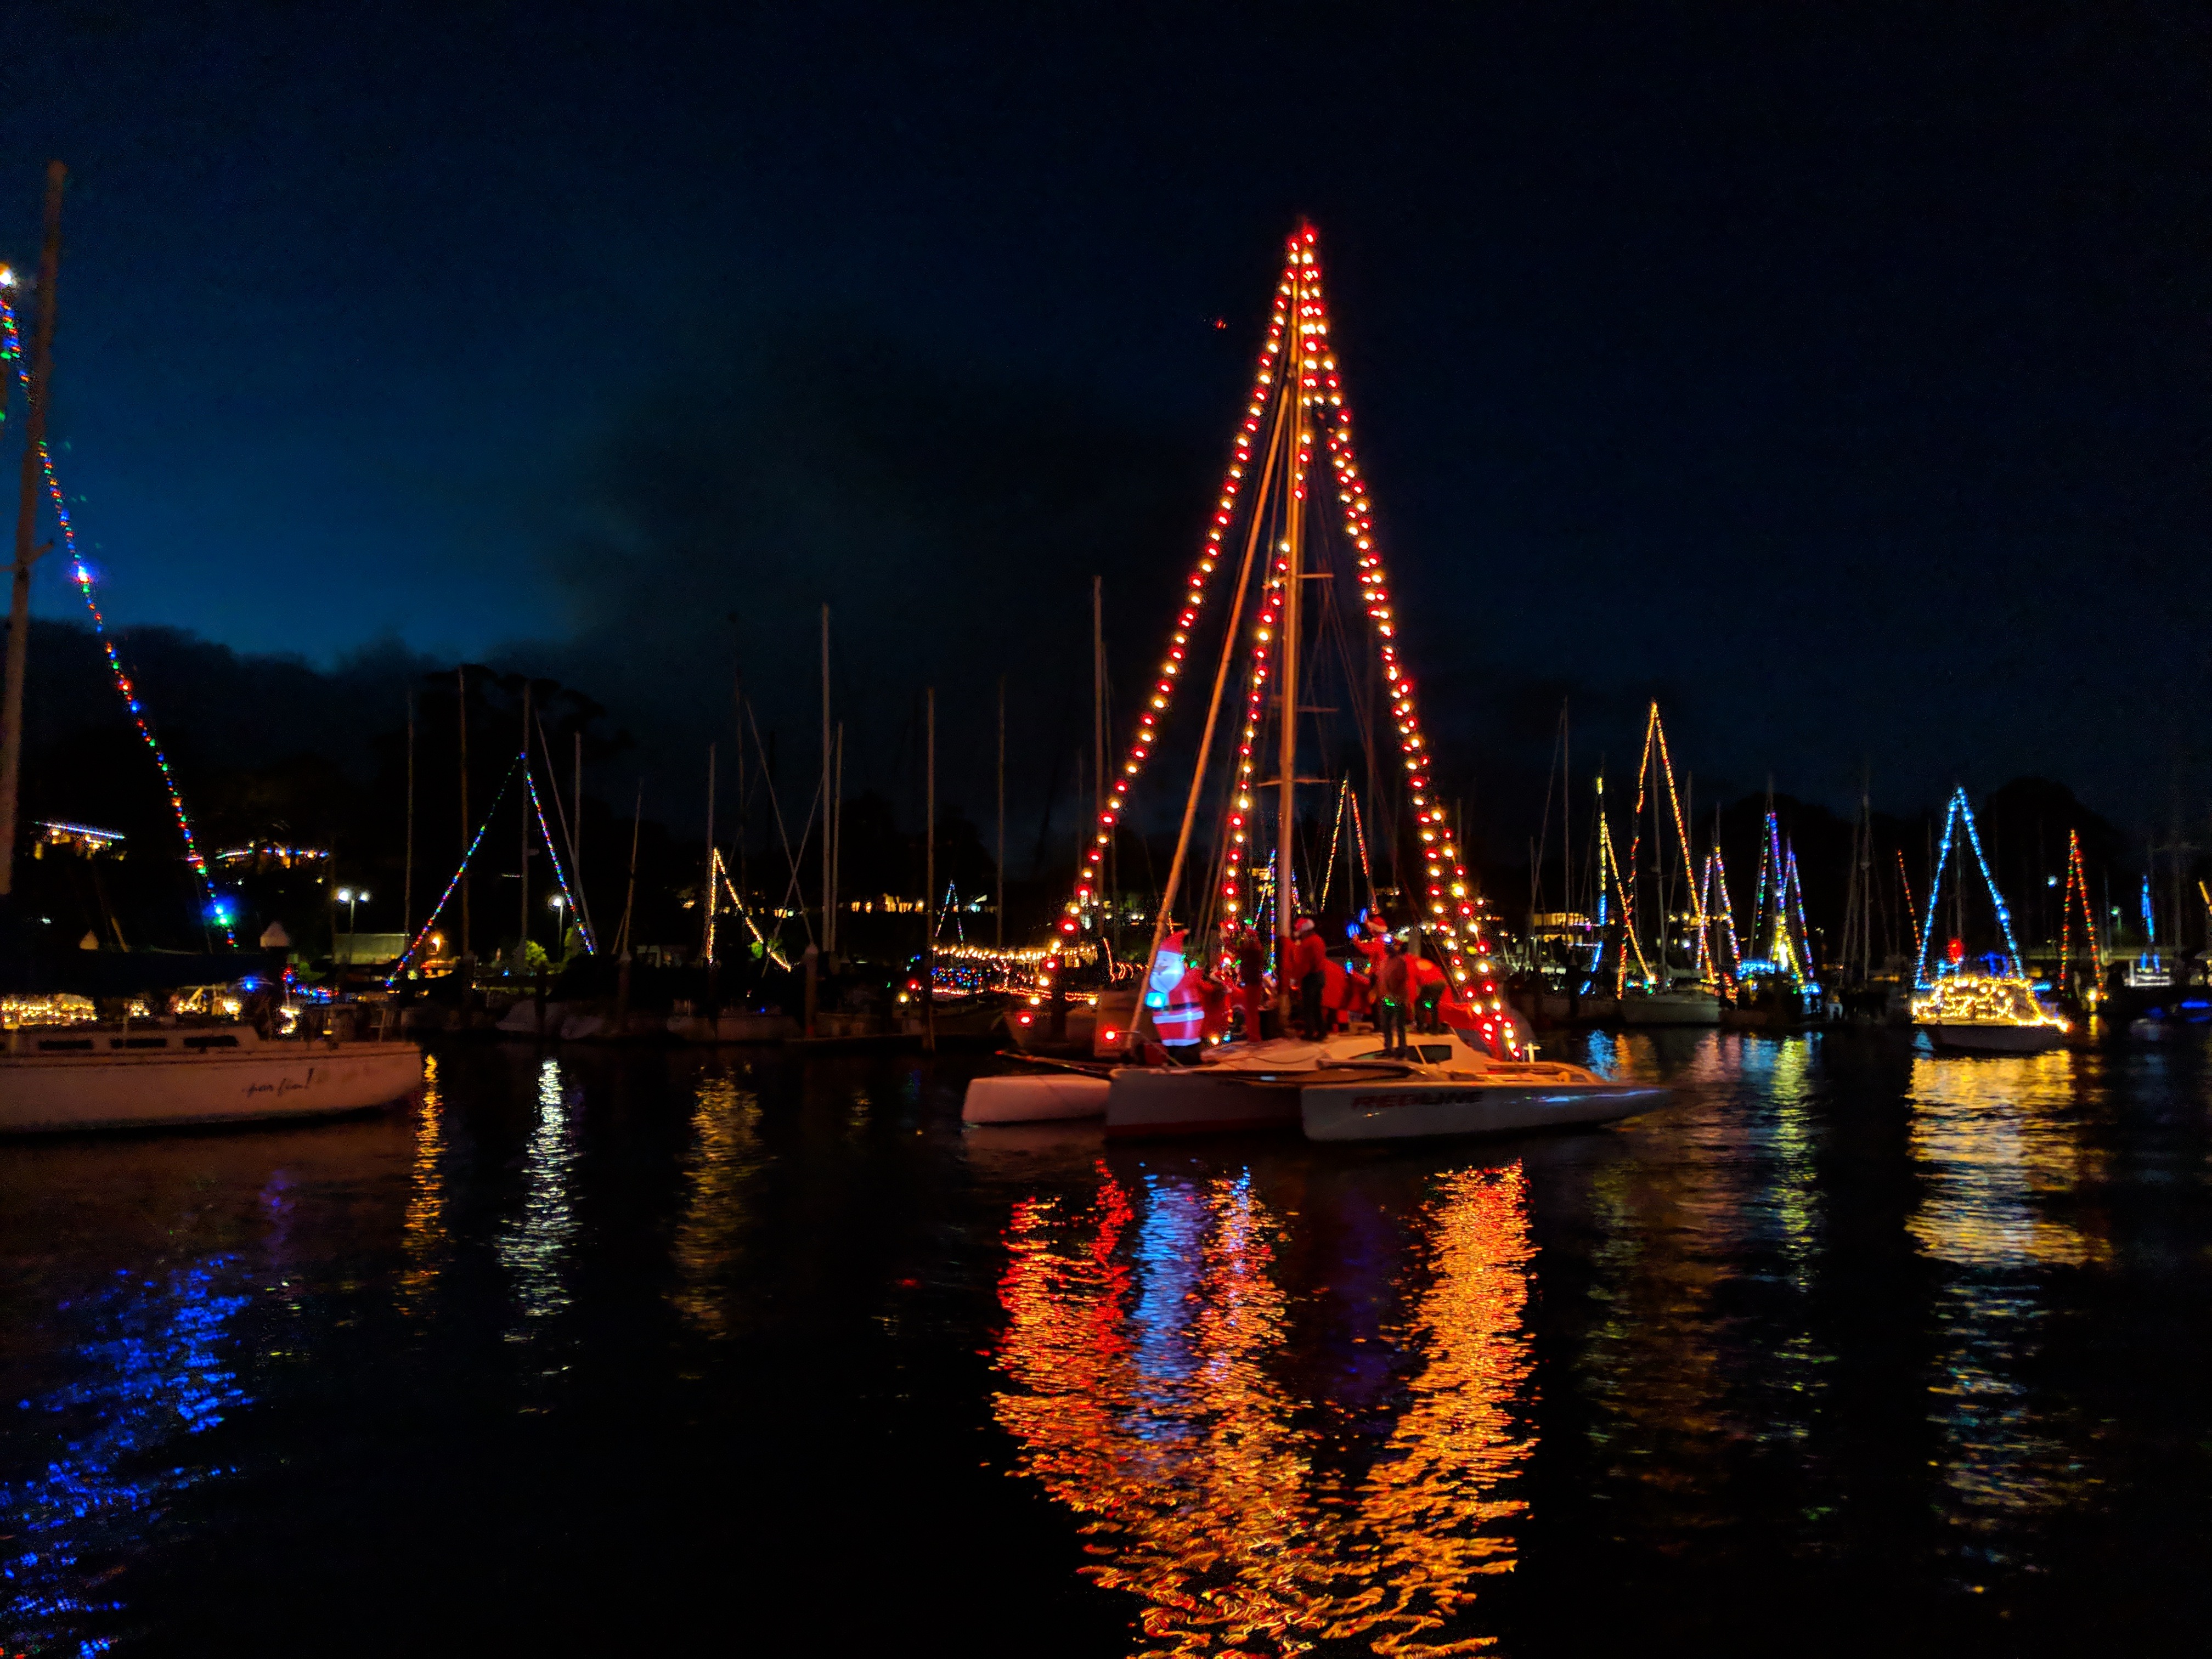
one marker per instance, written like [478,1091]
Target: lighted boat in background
[1989,1011]
[1988,1014]
[1683,1003]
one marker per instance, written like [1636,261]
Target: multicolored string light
[438,910]
[218,911]
[554,853]
[2077,881]
[1718,904]
[1655,733]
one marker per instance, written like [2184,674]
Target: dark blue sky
[1838,374]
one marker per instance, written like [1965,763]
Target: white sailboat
[1971,1012]
[74,1077]
[64,1077]
[1434,1083]
[1655,992]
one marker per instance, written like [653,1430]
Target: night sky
[1837,374]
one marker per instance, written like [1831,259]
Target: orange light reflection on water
[425,1239]
[718,1213]
[1144,1352]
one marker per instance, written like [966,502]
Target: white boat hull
[1997,1039]
[1168,1100]
[106,1089]
[1407,1109]
[1034,1099]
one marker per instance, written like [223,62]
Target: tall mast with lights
[27,511]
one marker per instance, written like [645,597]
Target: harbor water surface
[591,1351]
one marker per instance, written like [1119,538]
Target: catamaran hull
[1164,1100]
[1415,1110]
[49,1093]
[1997,1039]
[1033,1099]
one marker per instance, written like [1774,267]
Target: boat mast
[522,868]
[1098,744]
[706,927]
[27,511]
[461,681]
[1195,950]
[929,872]
[829,877]
[1294,398]
[407,879]
[999,896]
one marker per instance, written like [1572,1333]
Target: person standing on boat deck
[1394,991]
[1308,960]
[1251,983]
[1429,982]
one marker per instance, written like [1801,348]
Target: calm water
[599,1354]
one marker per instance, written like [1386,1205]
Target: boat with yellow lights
[1987,1014]
[1992,1011]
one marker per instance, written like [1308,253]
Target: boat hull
[55,1093]
[1997,1039]
[1146,1101]
[1671,1008]
[1033,1099]
[1413,1108]
[732,1028]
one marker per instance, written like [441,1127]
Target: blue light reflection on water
[1840,1316]
[148,1375]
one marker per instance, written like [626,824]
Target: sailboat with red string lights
[1270,540]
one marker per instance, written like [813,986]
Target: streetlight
[351,898]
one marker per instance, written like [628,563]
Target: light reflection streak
[1995,1143]
[1146,1359]
[726,1158]
[426,1241]
[534,1246]
[151,1377]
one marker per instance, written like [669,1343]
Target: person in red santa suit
[1429,991]
[1306,969]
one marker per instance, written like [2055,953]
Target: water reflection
[146,1375]
[1997,1143]
[535,1245]
[1151,1392]
[426,1239]
[726,1158]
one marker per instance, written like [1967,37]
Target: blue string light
[1959,809]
